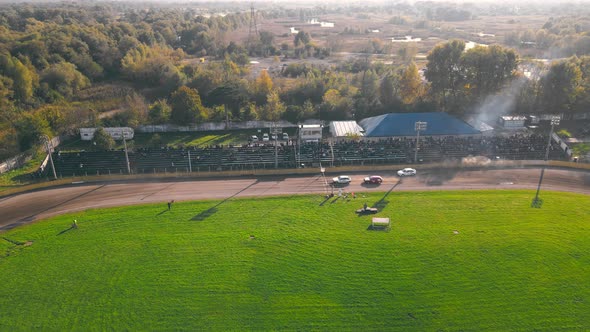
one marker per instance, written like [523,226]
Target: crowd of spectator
[260,155]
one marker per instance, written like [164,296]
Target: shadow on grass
[379,228]
[161,213]
[327,198]
[18,243]
[212,210]
[382,203]
[65,230]
[335,199]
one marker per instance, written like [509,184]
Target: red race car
[373,179]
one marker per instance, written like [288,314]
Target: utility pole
[49,147]
[418,126]
[126,154]
[537,202]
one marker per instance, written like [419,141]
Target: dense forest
[66,65]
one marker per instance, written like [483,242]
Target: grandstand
[388,139]
[390,150]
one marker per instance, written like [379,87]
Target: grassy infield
[510,267]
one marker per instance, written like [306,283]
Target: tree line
[62,67]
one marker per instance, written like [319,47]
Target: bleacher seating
[260,156]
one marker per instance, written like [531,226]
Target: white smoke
[499,104]
[475,161]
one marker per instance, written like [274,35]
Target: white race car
[406,172]
[342,179]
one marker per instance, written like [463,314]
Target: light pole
[299,145]
[537,202]
[418,126]
[126,155]
[48,146]
[275,132]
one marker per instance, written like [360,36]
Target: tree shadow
[212,210]
[382,203]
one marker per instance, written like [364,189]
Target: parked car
[265,137]
[285,136]
[273,137]
[342,179]
[406,172]
[253,138]
[373,179]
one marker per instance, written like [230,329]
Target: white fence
[14,162]
[21,159]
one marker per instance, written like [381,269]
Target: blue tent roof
[402,124]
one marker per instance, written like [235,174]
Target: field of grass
[470,260]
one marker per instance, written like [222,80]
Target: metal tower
[253,25]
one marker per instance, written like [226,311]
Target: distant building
[346,129]
[512,121]
[311,133]
[117,133]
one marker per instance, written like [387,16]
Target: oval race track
[28,207]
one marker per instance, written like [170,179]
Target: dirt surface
[29,207]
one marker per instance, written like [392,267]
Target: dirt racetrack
[29,207]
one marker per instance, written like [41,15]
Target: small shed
[310,133]
[512,121]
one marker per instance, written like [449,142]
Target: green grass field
[469,260]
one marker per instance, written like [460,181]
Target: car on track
[342,179]
[373,179]
[265,137]
[406,172]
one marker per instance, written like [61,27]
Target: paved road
[28,207]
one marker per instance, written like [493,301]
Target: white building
[346,129]
[310,133]
[512,121]
[117,133]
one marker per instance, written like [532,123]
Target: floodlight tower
[418,126]
[537,202]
